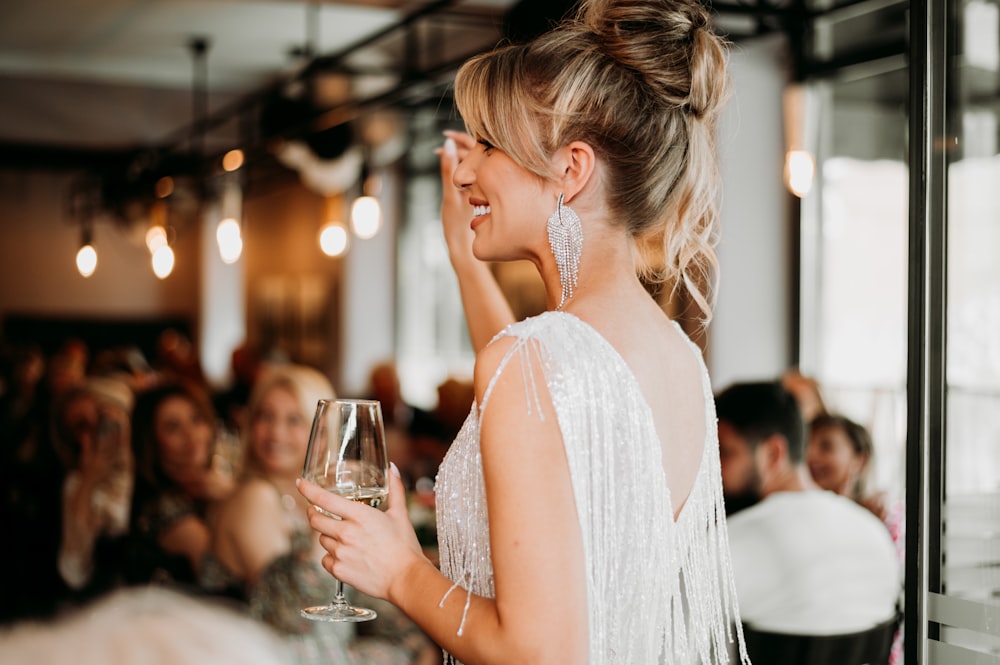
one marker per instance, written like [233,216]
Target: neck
[790,479]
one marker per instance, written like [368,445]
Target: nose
[465,172]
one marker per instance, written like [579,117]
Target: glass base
[337,612]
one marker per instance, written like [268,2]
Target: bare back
[669,374]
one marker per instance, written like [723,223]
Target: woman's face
[279,433]
[510,205]
[184,437]
[832,460]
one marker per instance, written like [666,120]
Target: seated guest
[805,561]
[176,485]
[263,544]
[839,455]
[91,434]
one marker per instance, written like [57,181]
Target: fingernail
[395,470]
[449,147]
[297,481]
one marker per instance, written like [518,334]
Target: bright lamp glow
[163,262]
[366,217]
[333,239]
[86,260]
[232,160]
[799,171]
[156,237]
[230,239]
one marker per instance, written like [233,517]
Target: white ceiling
[117,73]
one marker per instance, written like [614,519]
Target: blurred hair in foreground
[143,626]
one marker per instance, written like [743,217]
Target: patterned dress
[658,590]
[295,580]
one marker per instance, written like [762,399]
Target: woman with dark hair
[840,455]
[176,484]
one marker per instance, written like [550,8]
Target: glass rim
[343,400]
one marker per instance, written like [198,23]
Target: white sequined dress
[658,591]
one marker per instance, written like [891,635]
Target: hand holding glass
[347,456]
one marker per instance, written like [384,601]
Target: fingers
[397,492]
[463,142]
[330,502]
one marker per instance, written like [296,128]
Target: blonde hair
[307,384]
[642,82]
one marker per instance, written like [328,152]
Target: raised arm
[539,614]
[487,311]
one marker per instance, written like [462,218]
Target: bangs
[493,99]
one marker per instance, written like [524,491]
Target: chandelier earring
[566,241]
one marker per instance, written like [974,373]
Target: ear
[576,163]
[775,451]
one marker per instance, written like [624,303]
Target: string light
[800,169]
[229,236]
[333,239]
[366,217]
[366,213]
[86,256]
[232,160]
[163,261]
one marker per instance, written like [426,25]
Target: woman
[262,542]
[262,545]
[585,482]
[839,454]
[176,485]
[91,433]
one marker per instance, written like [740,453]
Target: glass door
[953,432]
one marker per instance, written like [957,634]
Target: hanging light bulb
[156,237]
[366,217]
[86,256]
[333,239]
[366,213]
[799,172]
[229,232]
[800,166]
[163,261]
[230,238]
[232,160]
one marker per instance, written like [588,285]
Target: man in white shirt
[805,561]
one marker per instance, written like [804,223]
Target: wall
[749,336]
[38,275]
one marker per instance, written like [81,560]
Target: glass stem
[339,600]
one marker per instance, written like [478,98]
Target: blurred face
[80,419]
[832,460]
[184,437]
[507,200]
[741,479]
[279,433]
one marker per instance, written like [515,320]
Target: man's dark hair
[760,409]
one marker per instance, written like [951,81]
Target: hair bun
[668,43]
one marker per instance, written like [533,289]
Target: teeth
[479,211]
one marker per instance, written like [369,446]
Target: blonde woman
[584,485]
[263,548]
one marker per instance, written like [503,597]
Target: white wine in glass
[347,456]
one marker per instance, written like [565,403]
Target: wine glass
[347,456]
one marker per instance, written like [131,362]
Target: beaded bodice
[658,590]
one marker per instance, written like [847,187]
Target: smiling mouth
[479,211]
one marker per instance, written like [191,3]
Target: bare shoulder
[488,362]
[254,499]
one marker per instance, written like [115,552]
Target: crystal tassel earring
[566,241]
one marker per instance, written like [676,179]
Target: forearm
[487,311]
[79,533]
[483,639]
